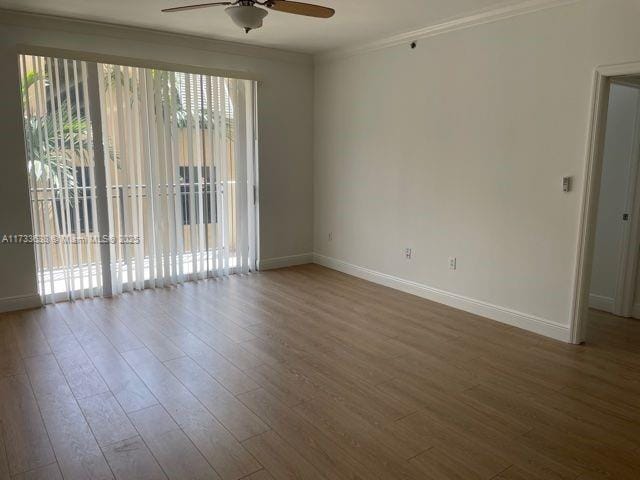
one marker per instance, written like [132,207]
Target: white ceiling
[355,22]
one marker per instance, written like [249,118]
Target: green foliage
[52,152]
[54,143]
[30,79]
[198,115]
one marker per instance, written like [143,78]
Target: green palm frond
[55,143]
[55,147]
[30,79]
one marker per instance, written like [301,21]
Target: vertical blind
[178,164]
[60,164]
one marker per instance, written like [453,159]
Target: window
[75,213]
[185,189]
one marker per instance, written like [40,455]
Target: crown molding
[142,34]
[478,18]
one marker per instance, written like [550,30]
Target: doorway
[615,257]
[607,274]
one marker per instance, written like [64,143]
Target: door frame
[603,77]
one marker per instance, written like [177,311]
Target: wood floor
[308,373]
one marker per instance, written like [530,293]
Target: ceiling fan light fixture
[247,17]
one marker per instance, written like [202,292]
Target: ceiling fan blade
[193,7]
[299,8]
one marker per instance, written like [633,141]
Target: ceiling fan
[247,15]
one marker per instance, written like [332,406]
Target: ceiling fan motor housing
[248,16]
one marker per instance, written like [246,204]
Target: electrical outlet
[408,253]
[453,263]
[330,236]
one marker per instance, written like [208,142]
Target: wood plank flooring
[311,374]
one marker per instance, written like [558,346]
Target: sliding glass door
[176,170]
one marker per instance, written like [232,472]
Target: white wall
[285,104]
[457,148]
[618,150]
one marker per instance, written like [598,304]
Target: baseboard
[282,262]
[525,321]
[600,302]
[20,302]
